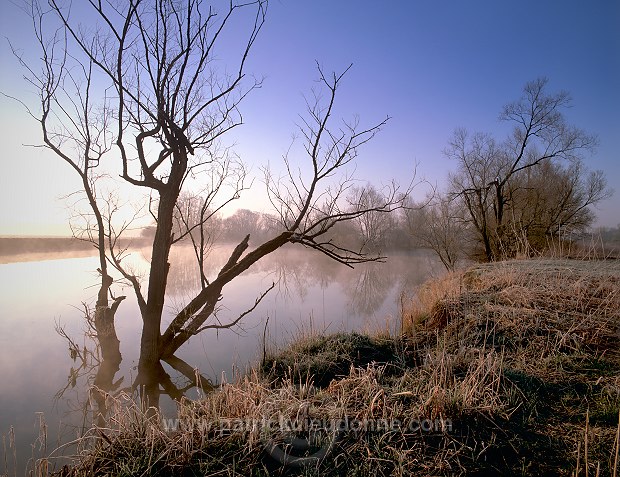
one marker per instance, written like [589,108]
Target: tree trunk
[110,362]
[150,352]
[488,249]
[109,344]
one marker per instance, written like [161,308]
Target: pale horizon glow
[431,68]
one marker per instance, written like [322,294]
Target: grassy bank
[503,369]
[556,326]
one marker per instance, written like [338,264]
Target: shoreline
[508,352]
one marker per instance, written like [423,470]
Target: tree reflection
[97,358]
[295,274]
[366,286]
[97,362]
[368,289]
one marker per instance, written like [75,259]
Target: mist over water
[312,294]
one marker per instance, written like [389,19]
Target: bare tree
[441,226]
[310,208]
[165,106]
[487,169]
[478,165]
[553,201]
[374,225]
[77,128]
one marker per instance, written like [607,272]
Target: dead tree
[76,128]
[166,106]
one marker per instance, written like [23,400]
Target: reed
[500,365]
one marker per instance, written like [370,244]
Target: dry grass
[400,420]
[228,432]
[515,366]
[557,324]
[537,310]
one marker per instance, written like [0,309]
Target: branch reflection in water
[306,288]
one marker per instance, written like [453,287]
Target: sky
[430,66]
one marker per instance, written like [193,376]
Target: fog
[312,294]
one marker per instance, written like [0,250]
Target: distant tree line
[609,235]
[372,232]
[21,245]
[604,239]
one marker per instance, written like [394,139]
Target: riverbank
[502,369]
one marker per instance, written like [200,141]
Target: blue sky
[431,66]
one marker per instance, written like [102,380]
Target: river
[41,383]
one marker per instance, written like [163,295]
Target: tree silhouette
[138,84]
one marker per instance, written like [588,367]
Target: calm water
[312,294]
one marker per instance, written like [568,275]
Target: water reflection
[97,362]
[37,363]
[369,288]
[301,278]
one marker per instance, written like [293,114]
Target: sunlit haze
[431,67]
